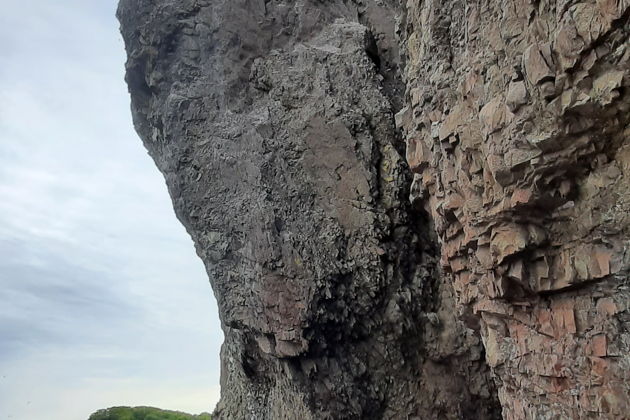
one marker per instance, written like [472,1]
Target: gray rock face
[272,122]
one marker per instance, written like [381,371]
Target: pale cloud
[103,299]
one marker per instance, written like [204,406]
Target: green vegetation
[144,413]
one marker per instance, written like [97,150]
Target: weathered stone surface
[279,127]
[536,243]
[273,124]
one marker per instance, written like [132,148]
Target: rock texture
[517,130]
[280,127]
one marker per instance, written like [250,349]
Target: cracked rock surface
[292,136]
[516,123]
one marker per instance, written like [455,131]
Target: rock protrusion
[273,124]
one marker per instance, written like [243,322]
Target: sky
[103,301]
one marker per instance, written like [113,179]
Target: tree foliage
[144,413]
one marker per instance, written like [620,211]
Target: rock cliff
[485,274]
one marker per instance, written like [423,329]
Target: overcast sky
[102,299]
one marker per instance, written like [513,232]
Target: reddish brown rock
[545,207]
